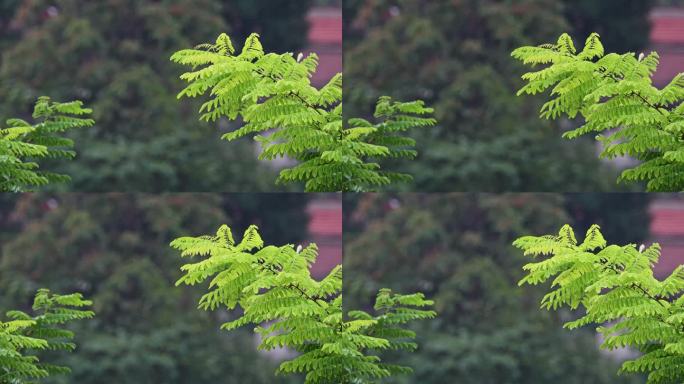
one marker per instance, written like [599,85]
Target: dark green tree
[616,213]
[622,24]
[455,56]
[113,55]
[456,248]
[113,248]
[281,23]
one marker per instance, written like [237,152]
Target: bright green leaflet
[273,96]
[615,96]
[616,288]
[274,291]
[22,143]
[23,334]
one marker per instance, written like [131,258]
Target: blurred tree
[622,24]
[282,217]
[456,248]
[623,217]
[114,55]
[281,23]
[350,10]
[455,56]
[7,9]
[114,249]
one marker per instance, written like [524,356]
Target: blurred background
[457,249]
[114,56]
[455,54]
[114,248]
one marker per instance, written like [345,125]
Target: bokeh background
[114,248]
[455,55]
[114,56]
[456,247]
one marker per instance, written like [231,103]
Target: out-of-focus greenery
[457,249]
[456,56]
[622,24]
[114,249]
[623,217]
[113,55]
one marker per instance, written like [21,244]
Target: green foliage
[114,249]
[455,55]
[22,143]
[274,290]
[24,334]
[456,248]
[271,91]
[615,96]
[616,288]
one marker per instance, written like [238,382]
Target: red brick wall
[667,229]
[325,229]
[325,39]
[667,38]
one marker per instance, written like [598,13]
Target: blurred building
[325,39]
[667,38]
[325,229]
[667,229]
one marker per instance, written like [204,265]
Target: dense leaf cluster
[24,334]
[273,96]
[22,143]
[616,287]
[615,96]
[274,290]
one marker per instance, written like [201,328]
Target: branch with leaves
[24,334]
[616,288]
[273,96]
[22,144]
[273,288]
[615,96]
